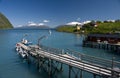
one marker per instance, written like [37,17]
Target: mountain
[4,22]
[33,27]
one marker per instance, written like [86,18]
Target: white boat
[21,52]
[24,41]
[23,55]
[17,47]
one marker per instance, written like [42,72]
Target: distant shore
[97,28]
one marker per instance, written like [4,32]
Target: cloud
[41,24]
[30,23]
[73,23]
[86,22]
[46,21]
[20,26]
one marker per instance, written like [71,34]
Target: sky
[58,12]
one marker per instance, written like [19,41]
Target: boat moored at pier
[22,49]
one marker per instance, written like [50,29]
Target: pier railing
[80,61]
[75,59]
[110,67]
[105,63]
[96,60]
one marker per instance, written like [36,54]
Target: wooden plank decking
[73,61]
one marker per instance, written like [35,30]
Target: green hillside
[102,28]
[107,28]
[66,28]
[4,22]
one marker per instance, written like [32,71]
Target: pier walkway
[97,66]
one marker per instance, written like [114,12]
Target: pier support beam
[28,60]
[70,67]
[38,62]
[107,47]
[94,75]
[81,73]
[99,46]
[61,67]
[49,67]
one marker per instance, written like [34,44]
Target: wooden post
[61,67]
[111,47]
[38,60]
[107,46]
[98,45]
[112,67]
[94,75]
[81,73]
[70,71]
[28,60]
[49,67]
[113,62]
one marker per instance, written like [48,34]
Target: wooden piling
[81,73]
[70,71]
[94,75]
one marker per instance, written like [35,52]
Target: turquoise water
[12,66]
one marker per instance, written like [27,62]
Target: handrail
[83,62]
[78,60]
[84,56]
[97,60]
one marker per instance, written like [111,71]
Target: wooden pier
[109,42]
[46,57]
[105,46]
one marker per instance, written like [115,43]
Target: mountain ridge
[4,22]
[33,27]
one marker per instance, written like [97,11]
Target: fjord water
[12,66]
